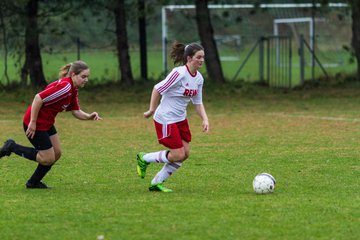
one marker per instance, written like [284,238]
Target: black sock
[26,152]
[39,173]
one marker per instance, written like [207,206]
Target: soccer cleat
[141,164]
[159,188]
[5,150]
[36,185]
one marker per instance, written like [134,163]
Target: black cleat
[5,150]
[36,185]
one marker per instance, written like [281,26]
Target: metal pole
[142,34]
[245,61]
[261,60]
[268,61]
[164,38]
[302,61]
[290,63]
[313,40]
[78,47]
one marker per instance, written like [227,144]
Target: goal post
[290,21]
[308,20]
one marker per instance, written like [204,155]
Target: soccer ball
[264,183]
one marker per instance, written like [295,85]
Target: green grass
[308,140]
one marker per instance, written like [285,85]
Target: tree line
[24,18]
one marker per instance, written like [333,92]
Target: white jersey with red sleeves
[58,96]
[177,89]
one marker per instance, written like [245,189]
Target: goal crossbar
[295,20]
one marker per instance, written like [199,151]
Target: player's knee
[184,157]
[181,156]
[45,159]
[57,155]
[173,157]
[187,155]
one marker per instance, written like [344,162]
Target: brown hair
[180,52]
[75,67]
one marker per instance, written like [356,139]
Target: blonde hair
[180,52]
[75,67]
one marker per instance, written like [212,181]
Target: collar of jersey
[193,75]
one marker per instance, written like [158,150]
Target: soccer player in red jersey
[182,85]
[39,119]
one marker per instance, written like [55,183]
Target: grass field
[308,140]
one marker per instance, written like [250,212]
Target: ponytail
[75,67]
[64,70]
[177,52]
[180,51]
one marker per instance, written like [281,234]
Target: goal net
[237,27]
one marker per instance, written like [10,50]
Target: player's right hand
[148,114]
[30,132]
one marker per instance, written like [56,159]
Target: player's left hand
[205,126]
[95,116]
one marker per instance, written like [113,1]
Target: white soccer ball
[264,183]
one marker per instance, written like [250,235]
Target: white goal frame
[310,20]
[227,6]
[279,21]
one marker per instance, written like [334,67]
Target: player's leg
[176,157]
[55,141]
[179,154]
[169,168]
[48,145]
[40,140]
[169,136]
[144,159]
[5,150]
[45,159]
[10,146]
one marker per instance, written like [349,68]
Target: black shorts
[41,140]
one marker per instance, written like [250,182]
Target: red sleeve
[55,92]
[74,105]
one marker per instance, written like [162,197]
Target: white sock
[159,157]
[165,172]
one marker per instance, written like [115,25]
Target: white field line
[104,118]
[328,118]
[10,120]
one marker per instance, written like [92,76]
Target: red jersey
[57,97]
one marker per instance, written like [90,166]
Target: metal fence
[276,58]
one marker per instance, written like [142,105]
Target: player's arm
[154,101]
[160,88]
[35,108]
[200,109]
[79,114]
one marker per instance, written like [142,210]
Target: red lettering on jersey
[190,92]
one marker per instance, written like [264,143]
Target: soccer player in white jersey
[183,84]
